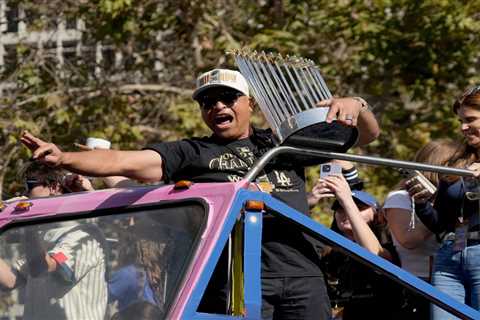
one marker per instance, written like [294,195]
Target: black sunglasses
[32,183]
[229,97]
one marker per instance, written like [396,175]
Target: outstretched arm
[144,165]
[353,112]
[362,233]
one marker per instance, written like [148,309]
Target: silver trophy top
[287,90]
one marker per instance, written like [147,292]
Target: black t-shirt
[285,250]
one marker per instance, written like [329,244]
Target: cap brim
[363,198]
[200,90]
[359,203]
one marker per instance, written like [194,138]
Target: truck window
[111,265]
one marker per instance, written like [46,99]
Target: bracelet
[364,104]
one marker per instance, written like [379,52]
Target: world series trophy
[287,90]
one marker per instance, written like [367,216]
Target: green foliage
[409,59]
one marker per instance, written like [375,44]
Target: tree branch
[4,166]
[91,92]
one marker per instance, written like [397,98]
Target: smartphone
[330,168]
[420,178]
[472,188]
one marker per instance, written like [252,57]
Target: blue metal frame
[252,261]
[197,294]
[252,264]
[419,286]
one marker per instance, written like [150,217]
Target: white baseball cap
[221,78]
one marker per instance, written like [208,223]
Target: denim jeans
[457,273]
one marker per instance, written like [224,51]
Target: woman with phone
[356,216]
[358,291]
[455,217]
[416,244]
[345,168]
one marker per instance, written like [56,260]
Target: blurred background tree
[408,58]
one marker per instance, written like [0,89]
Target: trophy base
[309,130]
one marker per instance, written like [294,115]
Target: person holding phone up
[455,215]
[354,211]
[346,168]
[358,291]
[415,243]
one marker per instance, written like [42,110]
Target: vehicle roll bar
[263,161]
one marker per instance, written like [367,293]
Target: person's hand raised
[345,110]
[475,167]
[42,151]
[417,191]
[77,183]
[319,192]
[339,186]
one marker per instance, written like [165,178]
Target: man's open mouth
[223,119]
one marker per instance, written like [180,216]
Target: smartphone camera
[328,169]
[472,188]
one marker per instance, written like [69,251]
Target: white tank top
[415,261]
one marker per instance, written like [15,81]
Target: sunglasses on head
[471,91]
[466,95]
[32,183]
[228,97]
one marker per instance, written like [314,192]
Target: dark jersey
[211,160]
[285,250]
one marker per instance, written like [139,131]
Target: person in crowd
[454,216]
[289,263]
[43,181]
[416,244]
[64,269]
[142,274]
[358,291]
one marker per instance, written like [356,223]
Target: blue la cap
[365,198]
[360,197]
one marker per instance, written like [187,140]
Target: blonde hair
[441,152]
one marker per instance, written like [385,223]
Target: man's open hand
[42,151]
